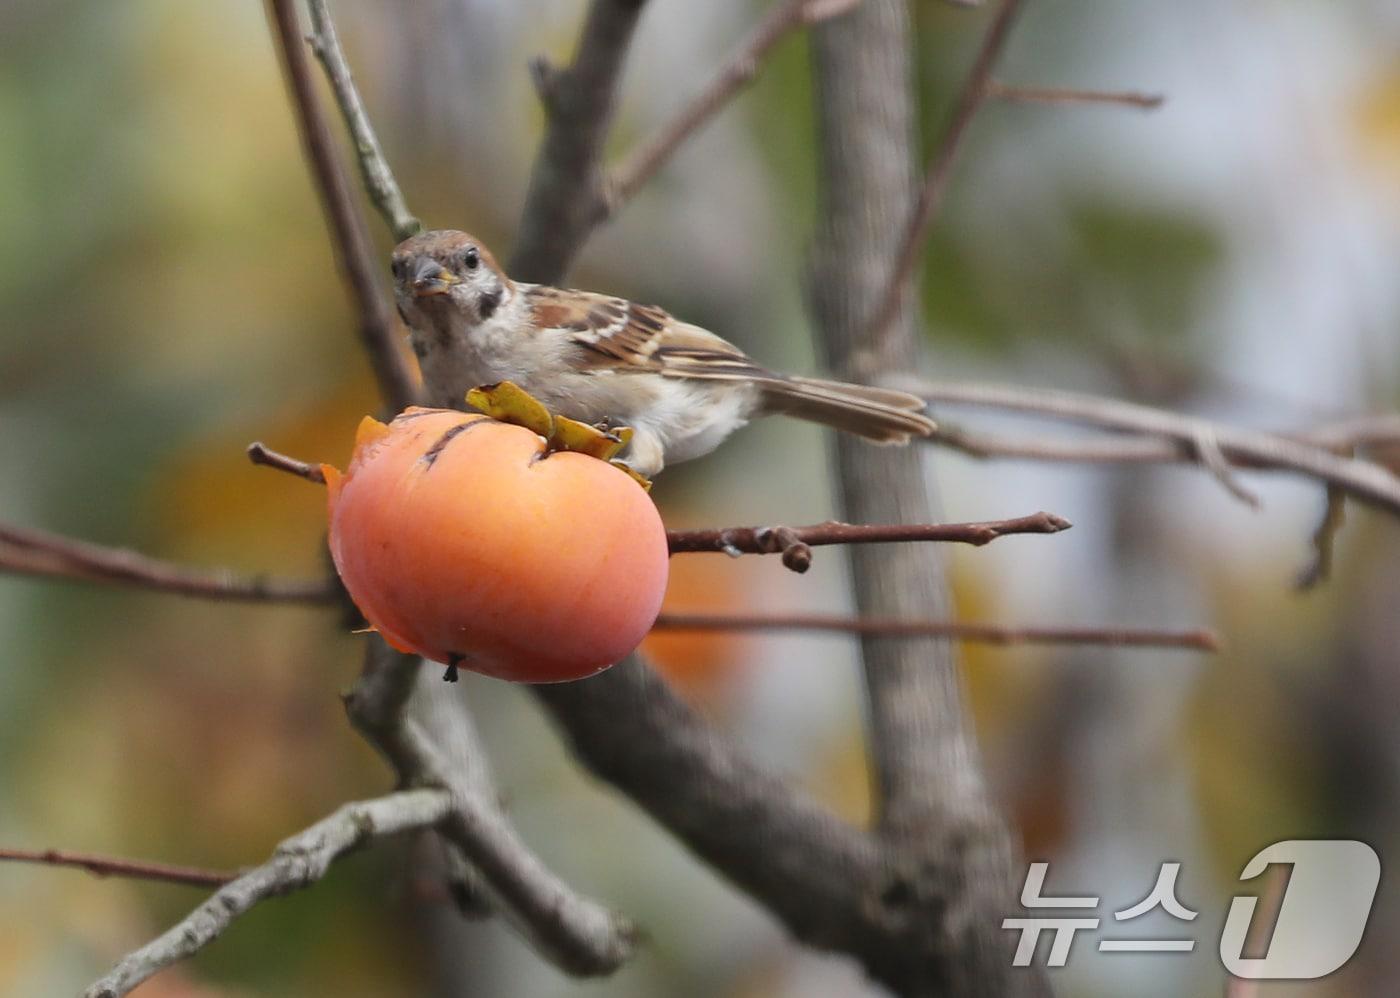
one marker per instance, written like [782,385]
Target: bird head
[447,270]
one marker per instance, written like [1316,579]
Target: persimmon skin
[462,540]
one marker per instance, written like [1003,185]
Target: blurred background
[169,295]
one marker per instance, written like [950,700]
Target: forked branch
[299,862]
[573,932]
[795,543]
[1160,435]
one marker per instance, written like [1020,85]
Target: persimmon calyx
[509,403]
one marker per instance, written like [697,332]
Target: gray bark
[954,854]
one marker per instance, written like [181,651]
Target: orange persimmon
[462,539]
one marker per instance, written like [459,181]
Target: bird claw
[510,403]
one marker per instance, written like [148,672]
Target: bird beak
[428,277]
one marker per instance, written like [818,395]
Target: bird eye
[396,268]
[471,258]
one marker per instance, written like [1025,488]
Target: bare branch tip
[1068,95]
[259,453]
[544,74]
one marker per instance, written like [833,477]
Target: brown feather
[879,414]
[618,335]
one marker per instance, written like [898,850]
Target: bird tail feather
[881,415]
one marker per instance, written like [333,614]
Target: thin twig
[896,627]
[297,863]
[1362,480]
[795,543]
[734,74]
[116,866]
[1069,95]
[1206,446]
[1341,437]
[24,550]
[352,246]
[1324,540]
[260,453]
[975,91]
[379,180]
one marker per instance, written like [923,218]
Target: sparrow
[608,361]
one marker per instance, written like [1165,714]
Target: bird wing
[613,334]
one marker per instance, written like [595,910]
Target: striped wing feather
[615,334]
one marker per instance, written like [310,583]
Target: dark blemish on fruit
[435,451]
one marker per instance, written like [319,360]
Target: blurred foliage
[1138,268]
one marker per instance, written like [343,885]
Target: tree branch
[1179,437]
[795,543]
[1341,437]
[298,862]
[828,882]
[975,91]
[734,74]
[576,934]
[899,627]
[447,722]
[37,552]
[1069,95]
[116,866]
[565,198]
[352,246]
[1324,537]
[260,453]
[380,185]
[933,811]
